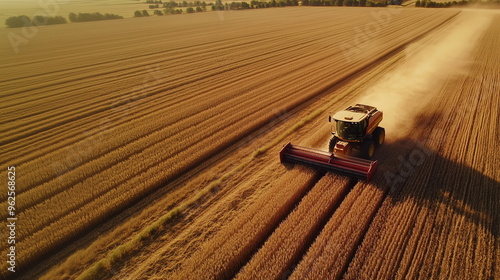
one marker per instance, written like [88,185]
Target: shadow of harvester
[454,182]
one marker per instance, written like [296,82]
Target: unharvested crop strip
[332,251]
[227,252]
[284,248]
[94,270]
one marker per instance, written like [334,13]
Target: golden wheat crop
[289,241]
[92,132]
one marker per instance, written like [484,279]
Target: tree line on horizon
[84,17]
[23,20]
[432,4]
[272,3]
[171,6]
[254,4]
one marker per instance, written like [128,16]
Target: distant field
[30,8]
[125,8]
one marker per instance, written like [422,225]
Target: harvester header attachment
[346,165]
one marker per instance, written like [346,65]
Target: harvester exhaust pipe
[346,165]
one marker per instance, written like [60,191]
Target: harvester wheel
[333,142]
[379,136]
[368,149]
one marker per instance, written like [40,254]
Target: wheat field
[153,152]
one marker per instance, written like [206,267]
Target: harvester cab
[356,131]
[355,137]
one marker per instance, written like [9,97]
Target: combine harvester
[357,134]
